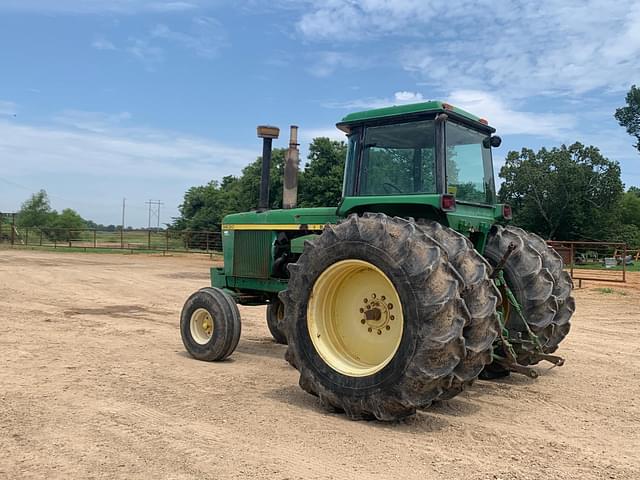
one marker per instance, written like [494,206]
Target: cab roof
[414,109]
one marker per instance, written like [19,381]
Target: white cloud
[101,43]
[118,152]
[101,6]
[8,108]
[323,64]
[96,122]
[308,134]
[205,39]
[348,20]
[505,117]
[150,55]
[399,98]
[510,121]
[520,48]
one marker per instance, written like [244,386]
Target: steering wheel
[390,187]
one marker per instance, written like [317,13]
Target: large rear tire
[388,360]
[534,273]
[481,298]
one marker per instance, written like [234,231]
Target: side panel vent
[252,254]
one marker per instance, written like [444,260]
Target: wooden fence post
[13,229]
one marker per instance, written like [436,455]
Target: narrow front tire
[210,325]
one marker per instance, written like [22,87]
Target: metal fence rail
[192,241]
[597,261]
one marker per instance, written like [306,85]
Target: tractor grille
[252,254]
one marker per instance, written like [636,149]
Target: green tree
[320,184]
[627,228]
[205,206]
[36,211]
[563,193]
[629,116]
[67,219]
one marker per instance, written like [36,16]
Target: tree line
[562,193]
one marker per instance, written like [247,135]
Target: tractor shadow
[262,347]
[422,421]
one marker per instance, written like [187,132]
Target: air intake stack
[290,183]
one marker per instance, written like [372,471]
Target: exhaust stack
[290,183]
[267,133]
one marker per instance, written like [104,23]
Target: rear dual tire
[336,342]
[534,273]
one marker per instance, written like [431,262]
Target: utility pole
[123,204]
[154,210]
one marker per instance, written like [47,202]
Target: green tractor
[409,289]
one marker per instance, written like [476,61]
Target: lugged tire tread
[440,345]
[543,287]
[481,298]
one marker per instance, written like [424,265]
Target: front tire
[210,325]
[343,350]
[275,320]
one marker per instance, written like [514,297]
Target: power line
[154,210]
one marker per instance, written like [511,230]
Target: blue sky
[144,98]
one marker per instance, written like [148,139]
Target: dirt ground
[95,383]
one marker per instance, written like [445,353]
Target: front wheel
[275,320]
[210,325]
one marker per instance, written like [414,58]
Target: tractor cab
[428,160]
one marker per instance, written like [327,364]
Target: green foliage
[205,206]
[629,116]
[563,193]
[69,219]
[320,184]
[627,228]
[36,211]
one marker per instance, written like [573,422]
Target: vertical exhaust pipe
[267,133]
[290,183]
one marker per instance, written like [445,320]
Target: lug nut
[370,329]
[392,317]
[379,332]
[362,310]
[373,295]
[382,298]
[390,306]
[388,327]
[365,300]
[363,321]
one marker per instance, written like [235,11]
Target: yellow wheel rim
[354,317]
[201,326]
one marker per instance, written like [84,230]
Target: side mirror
[494,142]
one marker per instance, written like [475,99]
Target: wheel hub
[354,318]
[377,316]
[201,326]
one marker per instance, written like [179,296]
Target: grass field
[618,268]
[165,240]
